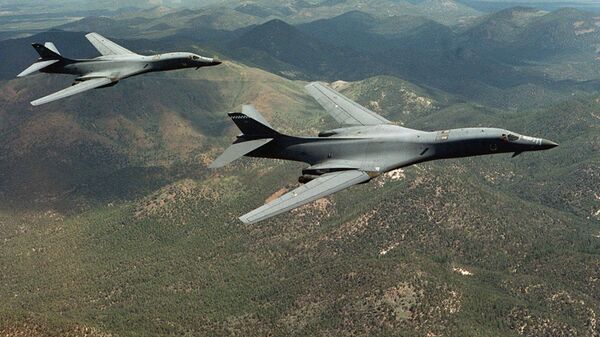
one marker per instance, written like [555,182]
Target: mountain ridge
[111,223]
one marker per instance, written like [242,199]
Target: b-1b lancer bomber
[115,64]
[369,146]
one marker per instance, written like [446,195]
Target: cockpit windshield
[195,57]
[509,137]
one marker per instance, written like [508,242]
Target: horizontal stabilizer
[238,150]
[315,189]
[36,66]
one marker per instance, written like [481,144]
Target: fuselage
[118,67]
[383,148]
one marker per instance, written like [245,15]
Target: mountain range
[112,224]
[513,58]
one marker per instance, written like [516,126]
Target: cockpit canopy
[509,137]
[194,57]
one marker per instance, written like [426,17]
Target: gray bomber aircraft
[115,64]
[369,146]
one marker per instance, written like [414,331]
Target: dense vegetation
[111,224]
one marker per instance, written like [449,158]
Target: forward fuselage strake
[384,148]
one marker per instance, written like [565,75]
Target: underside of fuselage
[113,67]
[368,154]
[380,149]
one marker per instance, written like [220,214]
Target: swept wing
[315,189]
[106,46]
[75,89]
[341,108]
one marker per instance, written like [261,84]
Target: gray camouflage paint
[382,148]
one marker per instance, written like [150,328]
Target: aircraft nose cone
[548,144]
[216,62]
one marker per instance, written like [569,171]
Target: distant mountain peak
[512,11]
[273,29]
[443,3]
[276,22]
[275,25]
[568,11]
[159,10]
[91,20]
[356,14]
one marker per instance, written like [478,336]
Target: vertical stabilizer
[252,123]
[256,132]
[52,47]
[47,51]
[48,56]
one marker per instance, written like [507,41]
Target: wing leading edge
[72,90]
[315,189]
[341,108]
[106,46]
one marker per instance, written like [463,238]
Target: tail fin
[48,56]
[252,123]
[48,51]
[256,132]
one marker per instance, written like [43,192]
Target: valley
[111,224]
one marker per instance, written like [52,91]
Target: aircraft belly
[170,64]
[60,68]
[459,149]
[392,155]
[361,153]
[116,69]
[82,68]
[315,151]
